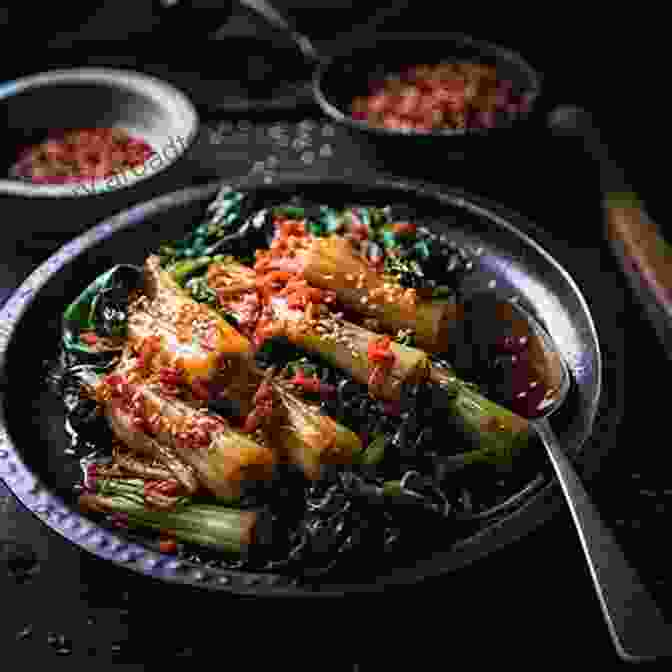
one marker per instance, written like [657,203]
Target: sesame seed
[26,632]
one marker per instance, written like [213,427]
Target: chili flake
[380,352]
[89,337]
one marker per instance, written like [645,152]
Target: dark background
[532,604]
[611,60]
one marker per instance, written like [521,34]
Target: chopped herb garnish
[443,291]
[388,239]
[332,221]
[231,319]
[422,249]
[315,229]
[407,271]
[200,290]
[302,365]
[289,211]
[405,337]
[182,270]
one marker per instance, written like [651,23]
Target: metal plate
[511,263]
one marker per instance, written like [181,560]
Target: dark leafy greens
[102,308]
[422,260]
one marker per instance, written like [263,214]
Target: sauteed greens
[270,390]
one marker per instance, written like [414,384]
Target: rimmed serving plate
[509,263]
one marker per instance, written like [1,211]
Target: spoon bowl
[557,378]
[510,330]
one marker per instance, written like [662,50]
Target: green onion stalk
[346,346]
[220,528]
[310,439]
[331,263]
[499,433]
[375,451]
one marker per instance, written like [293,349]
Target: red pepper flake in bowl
[448,95]
[85,154]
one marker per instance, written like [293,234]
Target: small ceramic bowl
[144,106]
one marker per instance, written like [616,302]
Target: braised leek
[498,433]
[331,263]
[224,529]
[220,457]
[346,346]
[310,439]
[184,331]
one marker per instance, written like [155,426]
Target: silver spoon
[284,23]
[636,625]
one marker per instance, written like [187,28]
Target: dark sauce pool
[495,347]
[516,379]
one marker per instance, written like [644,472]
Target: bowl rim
[131,80]
[456,38]
[29,489]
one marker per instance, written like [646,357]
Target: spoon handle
[283,23]
[636,241]
[636,625]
